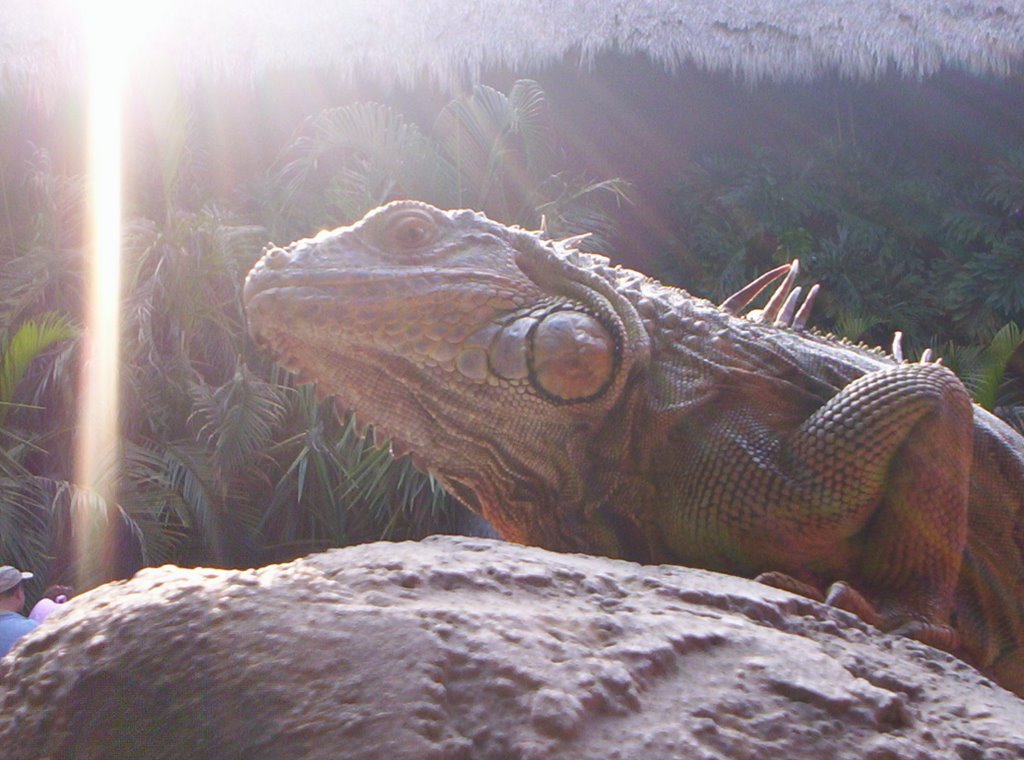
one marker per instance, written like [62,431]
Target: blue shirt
[12,627]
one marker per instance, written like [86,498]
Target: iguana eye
[411,230]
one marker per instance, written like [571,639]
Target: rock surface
[470,648]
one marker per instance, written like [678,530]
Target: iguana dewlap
[584,407]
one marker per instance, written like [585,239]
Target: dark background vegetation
[905,199]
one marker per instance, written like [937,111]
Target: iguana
[583,407]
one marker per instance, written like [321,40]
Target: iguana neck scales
[584,407]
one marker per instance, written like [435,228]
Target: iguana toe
[788,583]
[936,635]
[845,597]
[840,595]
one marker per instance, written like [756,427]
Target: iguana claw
[787,582]
[942,637]
[843,596]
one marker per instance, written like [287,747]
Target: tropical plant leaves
[486,150]
[227,461]
[984,370]
[19,351]
[237,420]
[895,245]
[348,160]
[24,521]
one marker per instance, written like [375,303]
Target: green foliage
[239,418]
[41,238]
[928,247]
[489,151]
[44,522]
[336,487]
[985,370]
[223,459]
[19,351]
[23,524]
[350,159]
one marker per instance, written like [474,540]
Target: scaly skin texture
[583,407]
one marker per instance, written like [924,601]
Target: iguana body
[583,407]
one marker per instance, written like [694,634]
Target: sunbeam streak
[96,441]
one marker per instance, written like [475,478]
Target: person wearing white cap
[13,625]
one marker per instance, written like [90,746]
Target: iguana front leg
[869,492]
[895,447]
[782,309]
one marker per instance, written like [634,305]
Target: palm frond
[987,375]
[375,151]
[57,529]
[18,352]
[238,419]
[24,521]
[577,207]
[184,477]
[503,149]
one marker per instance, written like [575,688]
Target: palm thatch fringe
[449,42]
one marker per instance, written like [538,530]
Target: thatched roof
[451,41]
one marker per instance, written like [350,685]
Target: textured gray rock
[470,648]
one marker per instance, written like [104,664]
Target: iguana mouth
[367,285]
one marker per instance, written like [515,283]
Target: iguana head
[486,351]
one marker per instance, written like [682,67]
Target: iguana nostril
[276,258]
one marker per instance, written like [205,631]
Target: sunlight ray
[96,440]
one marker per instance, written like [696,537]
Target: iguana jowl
[583,407]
